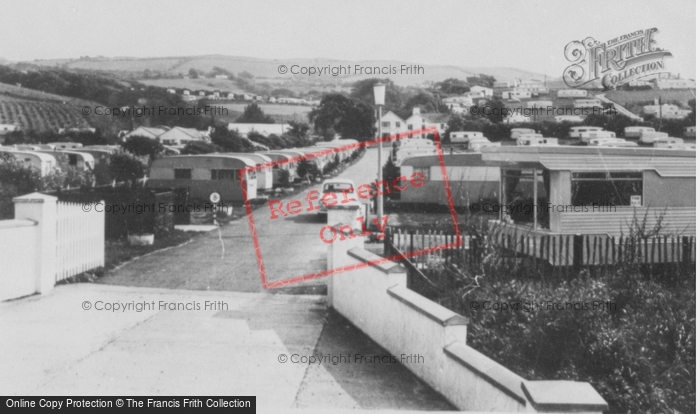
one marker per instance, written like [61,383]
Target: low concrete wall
[430,340]
[19,251]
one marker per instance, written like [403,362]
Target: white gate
[80,238]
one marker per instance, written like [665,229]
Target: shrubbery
[638,352]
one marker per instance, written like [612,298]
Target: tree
[495,110]
[426,101]
[143,146]
[126,167]
[481,80]
[252,114]
[391,171]
[246,75]
[306,169]
[350,117]
[230,141]
[453,86]
[394,96]
[283,92]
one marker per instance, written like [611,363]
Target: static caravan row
[282,163]
[533,141]
[540,104]
[459,137]
[589,135]
[568,118]
[575,132]
[637,131]
[264,174]
[596,190]
[516,132]
[650,136]
[78,159]
[572,93]
[65,145]
[470,179]
[204,175]
[45,163]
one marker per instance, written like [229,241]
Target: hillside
[267,69]
[41,111]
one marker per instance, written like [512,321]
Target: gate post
[41,209]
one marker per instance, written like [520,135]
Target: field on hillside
[41,116]
[280,113]
[222,85]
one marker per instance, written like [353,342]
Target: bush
[637,349]
[124,166]
[143,146]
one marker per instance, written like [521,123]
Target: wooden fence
[80,239]
[551,253]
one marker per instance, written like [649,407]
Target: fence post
[686,253]
[578,253]
[41,208]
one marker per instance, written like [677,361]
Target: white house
[458,100]
[423,121]
[7,128]
[392,124]
[171,91]
[221,76]
[185,92]
[484,91]
[178,136]
[505,84]
[147,132]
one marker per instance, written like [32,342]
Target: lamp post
[379,91]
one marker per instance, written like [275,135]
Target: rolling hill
[267,69]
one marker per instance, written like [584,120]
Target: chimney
[416,111]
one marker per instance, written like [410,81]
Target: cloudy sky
[527,35]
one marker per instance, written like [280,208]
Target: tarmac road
[290,246]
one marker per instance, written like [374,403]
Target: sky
[529,35]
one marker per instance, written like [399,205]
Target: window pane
[183,174]
[615,188]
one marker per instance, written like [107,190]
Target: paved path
[52,346]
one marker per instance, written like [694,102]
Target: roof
[666,162]
[41,155]
[462,159]
[173,159]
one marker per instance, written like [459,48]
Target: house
[7,128]
[515,94]
[481,91]
[461,100]
[423,121]
[230,95]
[471,180]
[667,111]
[244,97]
[189,98]
[170,90]
[178,136]
[392,124]
[147,132]
[221,77]
[263,129]
[201,93]
[272,99]
[504,84]
[594,190]
[185,92]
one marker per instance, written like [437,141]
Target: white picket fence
[80,239]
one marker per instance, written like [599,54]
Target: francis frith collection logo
[616,62]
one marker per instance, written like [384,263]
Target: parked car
[339,186]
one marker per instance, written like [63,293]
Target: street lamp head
[379,91]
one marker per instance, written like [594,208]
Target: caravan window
[227,174]
[615,188]
[423,170]
[183,174]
